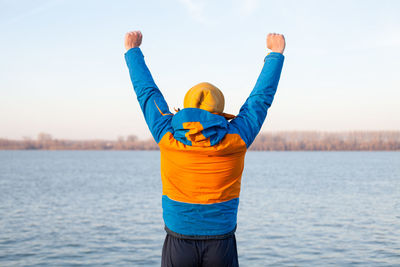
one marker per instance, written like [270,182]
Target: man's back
[196,171]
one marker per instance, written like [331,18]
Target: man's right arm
[254,111]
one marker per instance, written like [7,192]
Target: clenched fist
[276,42]
[133,39]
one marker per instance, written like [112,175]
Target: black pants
[206,253]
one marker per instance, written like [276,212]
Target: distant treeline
[328,141]
[275,141]
[45,141]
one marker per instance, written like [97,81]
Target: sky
[62,67]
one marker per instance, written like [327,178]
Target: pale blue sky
[62,69]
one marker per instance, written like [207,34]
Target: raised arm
[254,111]
[151,100]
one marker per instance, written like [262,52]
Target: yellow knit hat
[205,96]
[208,97]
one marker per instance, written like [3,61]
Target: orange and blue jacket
[202,154]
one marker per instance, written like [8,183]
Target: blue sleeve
[151,100]
[254,111]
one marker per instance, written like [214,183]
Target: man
[202,157]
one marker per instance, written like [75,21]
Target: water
[99,208]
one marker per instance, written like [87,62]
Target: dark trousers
[206,253]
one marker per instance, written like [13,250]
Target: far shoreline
[266,141]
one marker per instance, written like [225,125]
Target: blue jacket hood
[193,127]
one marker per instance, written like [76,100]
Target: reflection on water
[104,208]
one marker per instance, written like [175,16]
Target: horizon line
[46,135]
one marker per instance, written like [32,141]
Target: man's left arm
[150,98]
